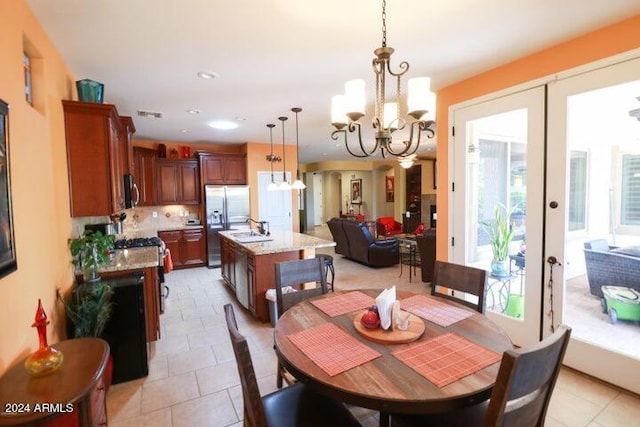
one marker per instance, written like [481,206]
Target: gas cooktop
[138,242]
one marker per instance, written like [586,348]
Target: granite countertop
[283,241]
[132,259]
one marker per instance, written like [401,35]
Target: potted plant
[91,251]
[88,308]
[500,235]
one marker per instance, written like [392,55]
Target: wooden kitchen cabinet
[220,169]
[187,247]
[144,175]
[98,144]
[177,182]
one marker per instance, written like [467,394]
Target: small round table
[28,400]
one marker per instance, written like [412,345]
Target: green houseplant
[500,235]
[88,308]
[90,251]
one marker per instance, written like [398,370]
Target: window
[28,88]
[630,209]
[577,190]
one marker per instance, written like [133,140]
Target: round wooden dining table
[385,383]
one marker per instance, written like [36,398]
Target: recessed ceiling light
[241,119]
[185,131]
[223,124]
[193,111]
[208,75]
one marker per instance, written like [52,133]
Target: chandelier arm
[403,68]
[335,135]
[355,126]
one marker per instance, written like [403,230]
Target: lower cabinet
[241,269]
[187,247]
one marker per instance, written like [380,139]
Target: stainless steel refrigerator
[227,208]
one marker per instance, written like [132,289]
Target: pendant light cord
[284,161]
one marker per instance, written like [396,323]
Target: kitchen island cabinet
[243,263]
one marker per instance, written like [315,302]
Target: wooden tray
[415,331]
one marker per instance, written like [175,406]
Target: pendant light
[284,185]
[271,158]
[297,184]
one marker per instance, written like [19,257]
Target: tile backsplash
[144,221]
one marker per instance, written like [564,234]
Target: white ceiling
[271,55]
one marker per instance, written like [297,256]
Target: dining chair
[449,280]
[294,273]
[294,406]
[520,396]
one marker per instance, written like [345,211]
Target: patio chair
[294,273]
[520,396]
[294,406]
[449,280]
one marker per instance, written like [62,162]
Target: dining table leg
[385,419]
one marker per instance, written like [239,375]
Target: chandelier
[347,109]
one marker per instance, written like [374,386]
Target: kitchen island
[248,268]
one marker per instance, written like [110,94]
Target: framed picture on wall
[389,186]
[356,191]
[8,262]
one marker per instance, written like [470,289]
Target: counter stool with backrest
[327,262]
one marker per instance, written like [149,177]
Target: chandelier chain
[384,23]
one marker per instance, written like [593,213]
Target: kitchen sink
[250,237]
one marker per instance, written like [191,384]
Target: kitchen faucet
[261,225]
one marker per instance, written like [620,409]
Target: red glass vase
[46,359]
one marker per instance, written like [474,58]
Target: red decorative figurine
[46,359]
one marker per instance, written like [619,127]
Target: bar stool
[327,262]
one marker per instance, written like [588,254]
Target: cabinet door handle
[135,187]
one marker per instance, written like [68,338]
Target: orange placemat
[343,303]
[440,313]
[332,349]
[446,358]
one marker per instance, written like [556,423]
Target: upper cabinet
[98,147]
[219,168]
[177,182]
[144,175]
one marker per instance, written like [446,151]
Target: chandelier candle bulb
[339,117]
[355,97]
[391,116]
[418,100]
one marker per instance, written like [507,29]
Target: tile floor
[193,379]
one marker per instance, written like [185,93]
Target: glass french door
[594,182]
[498,164]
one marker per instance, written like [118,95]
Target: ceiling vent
[149,114]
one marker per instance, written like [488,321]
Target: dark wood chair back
[297,272]
[253,408]
[450,279]
[525,382]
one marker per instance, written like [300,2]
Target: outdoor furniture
[294,406]
[387,226]
[611,266]
[521,395]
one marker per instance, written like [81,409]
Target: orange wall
[39,185]
[621,37]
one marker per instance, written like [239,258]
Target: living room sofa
[354,241]
[611,266]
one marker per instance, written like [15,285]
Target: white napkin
[384,302]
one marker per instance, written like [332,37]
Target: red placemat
[332,349]
[343,303]
[440,313]
[446,358]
